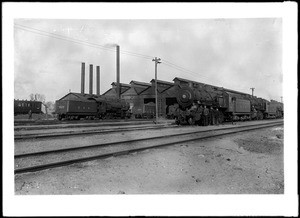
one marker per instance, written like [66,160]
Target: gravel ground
[248,163]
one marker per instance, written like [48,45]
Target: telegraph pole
[252,91]
[157,61]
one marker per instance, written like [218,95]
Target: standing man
[206,114]
[199,115]
[29,114]
[217,116]
[209,116]
[212,116]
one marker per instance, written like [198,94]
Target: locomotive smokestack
[118,71]
[91,79]
[98,80]
[82,77]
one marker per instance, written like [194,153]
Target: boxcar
[274,109]
[24,106]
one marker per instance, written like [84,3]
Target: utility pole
[118,71]
[281,99]
[252,91]
[157,61]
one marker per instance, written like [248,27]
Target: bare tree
[37,97]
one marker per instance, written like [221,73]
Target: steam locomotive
[75,106]
[232,105]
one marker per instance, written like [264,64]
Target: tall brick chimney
[82,77]
[98,80]
[91,79]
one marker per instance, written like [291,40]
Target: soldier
[212,116]
[206,114]
[194,107]
[29,114]
[255,113]
[217,116]
[209,116]
[199,115]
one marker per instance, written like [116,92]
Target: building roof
[107,91]
[162,82]
[121,84]
[139,83]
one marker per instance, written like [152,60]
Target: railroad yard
[141,157]
[109,110]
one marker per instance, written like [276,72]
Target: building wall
[137,95]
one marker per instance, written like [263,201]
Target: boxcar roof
[27,100]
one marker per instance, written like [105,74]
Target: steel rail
[91,132]
[68,162]
[55,122]
[95,124]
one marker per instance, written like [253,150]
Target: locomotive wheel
[177,120]
[260,115]
[181,120]
[221,117]
[191,121]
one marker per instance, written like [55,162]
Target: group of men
[204,115]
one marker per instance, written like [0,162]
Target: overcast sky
[233,53]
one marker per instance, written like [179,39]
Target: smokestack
[82,77]
[91,79]
[98,80]
[118,72]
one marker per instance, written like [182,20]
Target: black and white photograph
[150,109]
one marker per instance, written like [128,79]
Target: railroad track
[32,162]
[77,125]
[89,132]
[55,121]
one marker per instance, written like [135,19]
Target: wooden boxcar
[24,106]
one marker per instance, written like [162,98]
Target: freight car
[77,106]
[145,111]
[24,106]
[230,105]
[274,109]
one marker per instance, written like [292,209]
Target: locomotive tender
[78,105]
[232,105]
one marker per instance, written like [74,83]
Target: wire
[104,47]
[94,45]
[169,64]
